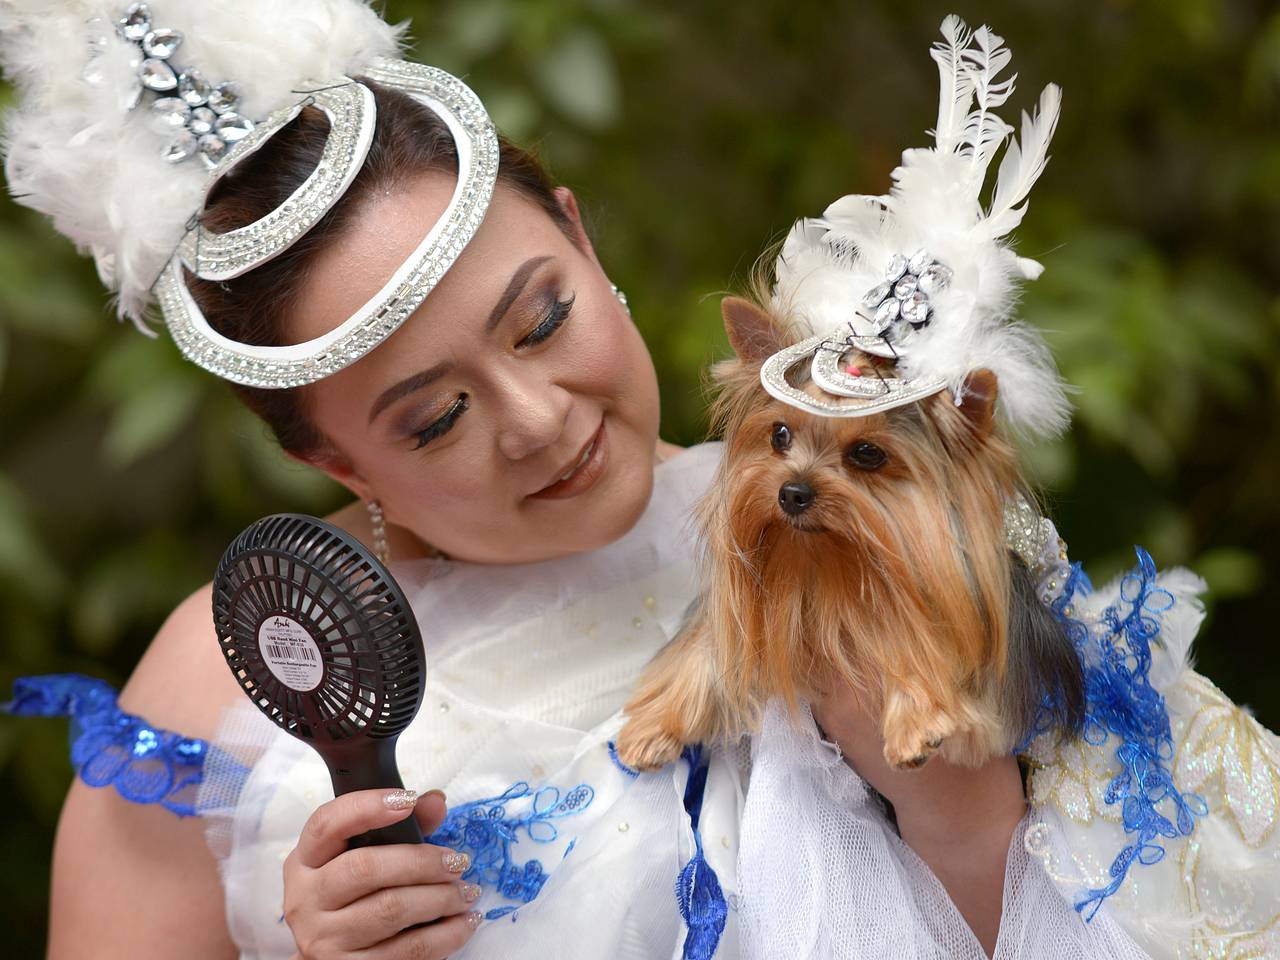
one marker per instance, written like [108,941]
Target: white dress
[775,848]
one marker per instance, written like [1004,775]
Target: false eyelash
[444,424]
[554,320]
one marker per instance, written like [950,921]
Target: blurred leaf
[148,419]
[115,592]
[578,77]
[153,394]
[514,112]
[1262,75]
[24,560]
[478,27]
[1230,572]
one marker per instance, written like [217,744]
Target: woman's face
[519,370]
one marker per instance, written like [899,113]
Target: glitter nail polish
[400,799]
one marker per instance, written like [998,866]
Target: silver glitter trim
[889,392]
[1035,539]
[1026,532]
[299,364]
[352,112]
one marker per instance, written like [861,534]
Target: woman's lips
[584,475]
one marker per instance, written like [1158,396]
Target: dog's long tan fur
[895,583]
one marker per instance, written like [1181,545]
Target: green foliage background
[694,133]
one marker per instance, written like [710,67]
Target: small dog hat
[923,275]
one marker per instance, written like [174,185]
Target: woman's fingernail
[400,799]
[471,892]
[473,919]
[438,793]
[456,862]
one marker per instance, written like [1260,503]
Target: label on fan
[290,653]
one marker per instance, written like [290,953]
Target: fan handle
[352,770]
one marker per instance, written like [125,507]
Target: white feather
[955,86]
[74,153]
[829,264]
[983,130]
[1022,164]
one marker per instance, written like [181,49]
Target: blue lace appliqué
[109,746]
[483,829]
[698,893]
[1120,702]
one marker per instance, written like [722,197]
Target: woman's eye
[444,424]
[550,324]
[866,456]
[781,437]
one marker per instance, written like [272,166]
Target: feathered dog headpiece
[120,102]
[922,275]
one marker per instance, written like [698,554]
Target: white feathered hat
[119,102]
[923,274]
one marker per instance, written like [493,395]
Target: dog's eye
[781,437]
[866,456]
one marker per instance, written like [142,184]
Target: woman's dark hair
[409,139]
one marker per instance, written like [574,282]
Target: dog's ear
[978,400]
[753,334]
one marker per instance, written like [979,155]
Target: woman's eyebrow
[423,378]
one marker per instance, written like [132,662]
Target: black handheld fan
[320,637]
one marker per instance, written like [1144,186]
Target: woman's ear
[578,233]
[978,400]
[753,333]
[339,469]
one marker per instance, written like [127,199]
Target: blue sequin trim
[631,772]
[1121,703]
[109,746]
[484,830]
[698,894]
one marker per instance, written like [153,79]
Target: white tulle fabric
[822,875]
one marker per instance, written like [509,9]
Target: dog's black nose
[795,498]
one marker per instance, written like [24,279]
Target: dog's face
[855,530]
[817,475]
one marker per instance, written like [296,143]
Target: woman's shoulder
[182,682]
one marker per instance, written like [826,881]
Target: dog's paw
[644,747]
[908,746]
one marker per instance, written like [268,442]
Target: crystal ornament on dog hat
[922,275]
[81,144]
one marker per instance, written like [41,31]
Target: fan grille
[352,614]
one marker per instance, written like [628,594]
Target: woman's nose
[533,416]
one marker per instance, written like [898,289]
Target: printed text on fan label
[291,655]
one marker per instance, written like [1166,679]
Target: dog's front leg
[679,701]
[918,721]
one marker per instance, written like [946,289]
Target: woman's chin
[613,504]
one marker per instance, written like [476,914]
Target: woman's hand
[339,902]
[958,820]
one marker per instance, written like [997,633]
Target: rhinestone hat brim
[284,367]
[352,114]
[859,396]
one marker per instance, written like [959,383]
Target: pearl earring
[622,297]
[378,522]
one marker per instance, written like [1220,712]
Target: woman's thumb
[430,811]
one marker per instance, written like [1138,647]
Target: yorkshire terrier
[862,554]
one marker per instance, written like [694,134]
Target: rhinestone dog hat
[130,114]
[922,275]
